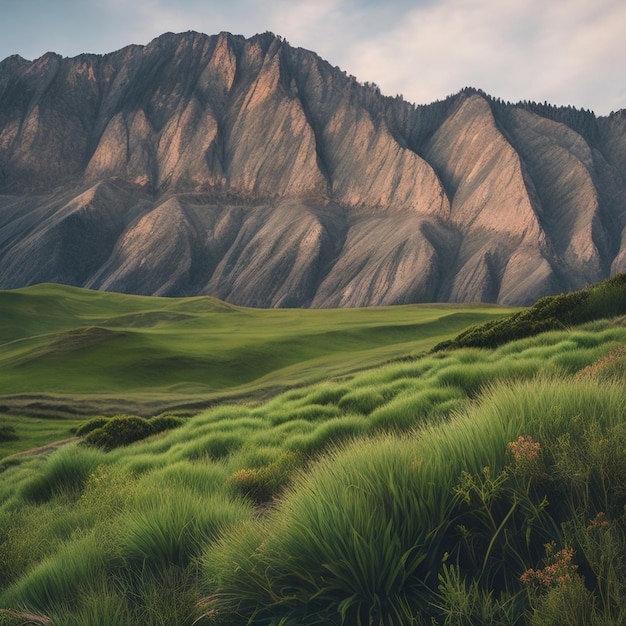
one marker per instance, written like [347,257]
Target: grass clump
[63,474]
[172,529]
[7,433]
[398,529]
[264,483]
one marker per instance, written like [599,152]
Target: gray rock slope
[257,173]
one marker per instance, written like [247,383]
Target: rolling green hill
[65,350]
[470,485]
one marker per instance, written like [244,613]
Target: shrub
[121,430]
[92,424]
[161,423]
[604,299]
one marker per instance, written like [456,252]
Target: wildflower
[599,521]
[558,572]
[526,454]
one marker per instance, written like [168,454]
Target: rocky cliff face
[258,173]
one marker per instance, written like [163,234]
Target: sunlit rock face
[256,172]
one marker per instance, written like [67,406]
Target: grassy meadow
[465,486]
[65,350]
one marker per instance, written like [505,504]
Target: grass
[67,350]
[33,432]
[421,490]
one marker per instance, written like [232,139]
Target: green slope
[111,351]
[380,477]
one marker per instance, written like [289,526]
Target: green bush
[161,423]
[120,430]
[604,299]
[92,424]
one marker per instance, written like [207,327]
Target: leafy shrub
[161,423]
[604,299]
[92,424]
[120,430]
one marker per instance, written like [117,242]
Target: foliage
[92,424]
[161,423]
[416,492]
[121,430]
[604,299]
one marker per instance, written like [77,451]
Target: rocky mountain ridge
[256,172]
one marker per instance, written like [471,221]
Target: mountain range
[256,172]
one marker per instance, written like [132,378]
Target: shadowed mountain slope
[256,172]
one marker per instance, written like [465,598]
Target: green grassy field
[65,350]
[469,486]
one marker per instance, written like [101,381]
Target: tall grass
[359,500]
[361,538]
[65,473]
[58,580]
[171,528]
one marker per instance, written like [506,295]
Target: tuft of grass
[409,410]
[58,580]
[264,483]
[361,400]
[64,473]
[172,528]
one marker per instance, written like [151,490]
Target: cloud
[563,51]
[566,52]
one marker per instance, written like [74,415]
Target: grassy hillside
[422,489]
[97,352]
[466,486]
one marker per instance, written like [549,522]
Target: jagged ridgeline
[258,173]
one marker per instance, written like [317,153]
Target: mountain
[256,172]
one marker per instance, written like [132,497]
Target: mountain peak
[257,172]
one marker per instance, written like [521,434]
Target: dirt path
[49,447]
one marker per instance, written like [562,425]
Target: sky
[565,52]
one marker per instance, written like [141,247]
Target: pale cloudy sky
[562,51]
